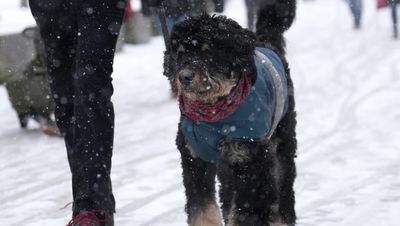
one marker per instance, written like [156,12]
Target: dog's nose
[186,76]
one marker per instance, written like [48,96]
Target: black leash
[164,27]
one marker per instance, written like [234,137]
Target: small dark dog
[237,117]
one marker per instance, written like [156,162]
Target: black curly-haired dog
[237,117]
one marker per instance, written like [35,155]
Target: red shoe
[93,218]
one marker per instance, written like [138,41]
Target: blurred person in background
[178,10]
[251,14]
[356,9]
[80,38]
[218,6]
[393,6]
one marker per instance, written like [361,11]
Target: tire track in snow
[316,209]
[347,107]
[143,201]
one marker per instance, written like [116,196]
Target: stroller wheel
[23,121]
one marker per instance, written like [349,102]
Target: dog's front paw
[210,216]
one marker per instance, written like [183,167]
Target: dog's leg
[285,169]
[285,208]
[199,182]
[253,185]
[283,174]
[225,176]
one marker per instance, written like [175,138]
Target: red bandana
[200,111]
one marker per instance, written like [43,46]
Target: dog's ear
[235,38]
[223,38]
[168,65]
[238,44]
[169,70]
[216,31]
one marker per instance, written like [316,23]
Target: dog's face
[200,76]
[208,56]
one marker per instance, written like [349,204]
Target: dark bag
[23,71]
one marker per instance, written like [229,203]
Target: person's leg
[99,23]
[356,7]
[57,29]
[359,8]
[394,18]
[251,14]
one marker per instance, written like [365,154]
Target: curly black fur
[274,19]
[256,189]
[217,42]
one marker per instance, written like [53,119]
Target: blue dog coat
[255,119]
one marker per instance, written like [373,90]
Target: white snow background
[348,102]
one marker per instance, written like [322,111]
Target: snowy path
[348,93]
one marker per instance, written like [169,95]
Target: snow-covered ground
[348,97]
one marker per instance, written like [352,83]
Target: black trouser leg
[99,24]
[58,28]
[80,40]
